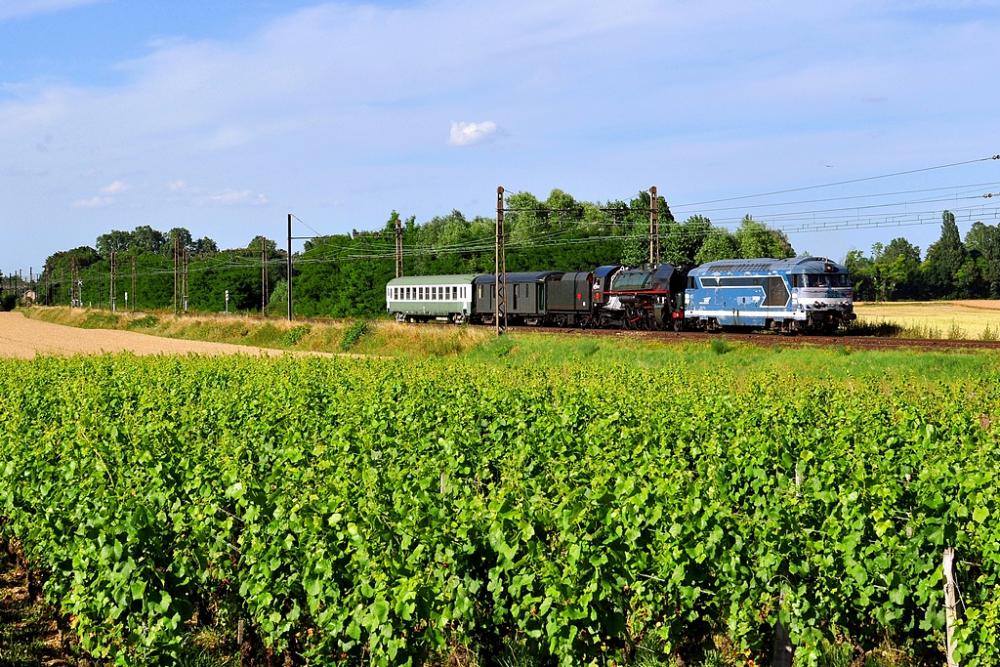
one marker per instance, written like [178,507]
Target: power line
[310,227]
[873,195]
[847,182]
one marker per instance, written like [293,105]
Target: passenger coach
[425,298]
[801,294]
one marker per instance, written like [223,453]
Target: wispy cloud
[97,201]
[115,187]
[12,9]
[466,134]
[230,197]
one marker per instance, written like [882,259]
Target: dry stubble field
[968,319]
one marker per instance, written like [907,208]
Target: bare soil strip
[29,633]
[24,338]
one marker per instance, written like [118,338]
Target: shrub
[720,346]
[353,335]
[295,334]
[144,322]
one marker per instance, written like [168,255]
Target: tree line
[345,274]
[953,268]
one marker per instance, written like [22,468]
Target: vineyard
[344,511]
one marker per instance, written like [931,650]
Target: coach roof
[518,277]
[452,279]
[767,264]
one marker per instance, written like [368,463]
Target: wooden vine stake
[783,649]
[952,605]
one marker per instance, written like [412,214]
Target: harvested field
[972,319]
[24,338]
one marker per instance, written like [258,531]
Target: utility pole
[500,274]
[176,272]
[134,295]
[654,228]
[399,247]
[112,287]
[288,260]
[184,278]
[76,291]
[263,276]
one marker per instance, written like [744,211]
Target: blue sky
[223,116]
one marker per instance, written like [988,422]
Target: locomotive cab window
[826,280]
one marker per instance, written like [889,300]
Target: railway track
[764,339]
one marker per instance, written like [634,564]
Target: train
[804,294]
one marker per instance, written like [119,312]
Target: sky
[224,116]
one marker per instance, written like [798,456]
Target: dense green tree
[179,235]
[983,242]
[205,247]
[682,242]
[754,239]
[894,269]
[944,260]
[719,244]
[147,239]
[114,241]
[861,268]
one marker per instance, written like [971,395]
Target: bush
[145,322]
[720,346]
[295,334]
[353,335]
[8,302]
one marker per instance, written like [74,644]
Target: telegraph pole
[134,295]
[263,276]
[176,273]
[500,274]
[654,228]
[184,278]
[288,267]
[76,294]
[112,287]
[399,247]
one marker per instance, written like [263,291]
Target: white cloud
[96,201]
[115,187]
[230,197]
[466,134]
[176,185]
[11,9]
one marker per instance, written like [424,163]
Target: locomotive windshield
[827,280]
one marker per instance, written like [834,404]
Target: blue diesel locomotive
[786,295]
